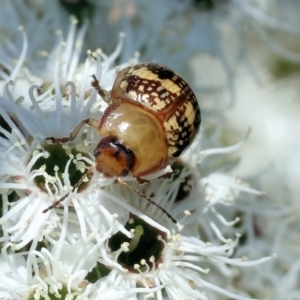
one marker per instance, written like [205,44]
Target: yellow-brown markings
[145,97]
[164,95]
[132,94]
[145,73]
[171,151]
[190,113]
[123,84]
[171,124]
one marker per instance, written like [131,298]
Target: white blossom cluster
[105,241]
[268,100]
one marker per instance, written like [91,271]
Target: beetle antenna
[88,174]
[120,181]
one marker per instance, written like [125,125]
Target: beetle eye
[97,152]
[124,173]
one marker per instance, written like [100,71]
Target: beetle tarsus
[103,93]
[142,181]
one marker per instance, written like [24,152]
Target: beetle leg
[142,181]
[103,93]
[169,175]
[91,122]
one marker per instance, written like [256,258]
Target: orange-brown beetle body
[152,118]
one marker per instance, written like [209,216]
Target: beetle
[152,117]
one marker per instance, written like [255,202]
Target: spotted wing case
[168,96]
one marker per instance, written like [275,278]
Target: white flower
[267,90]
[174,264]
[135,242]
[221,188]
[37,274]
[59,67]
[13,15]
[26,166]
[36,188]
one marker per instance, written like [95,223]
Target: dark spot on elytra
[161,71]
[165,73]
